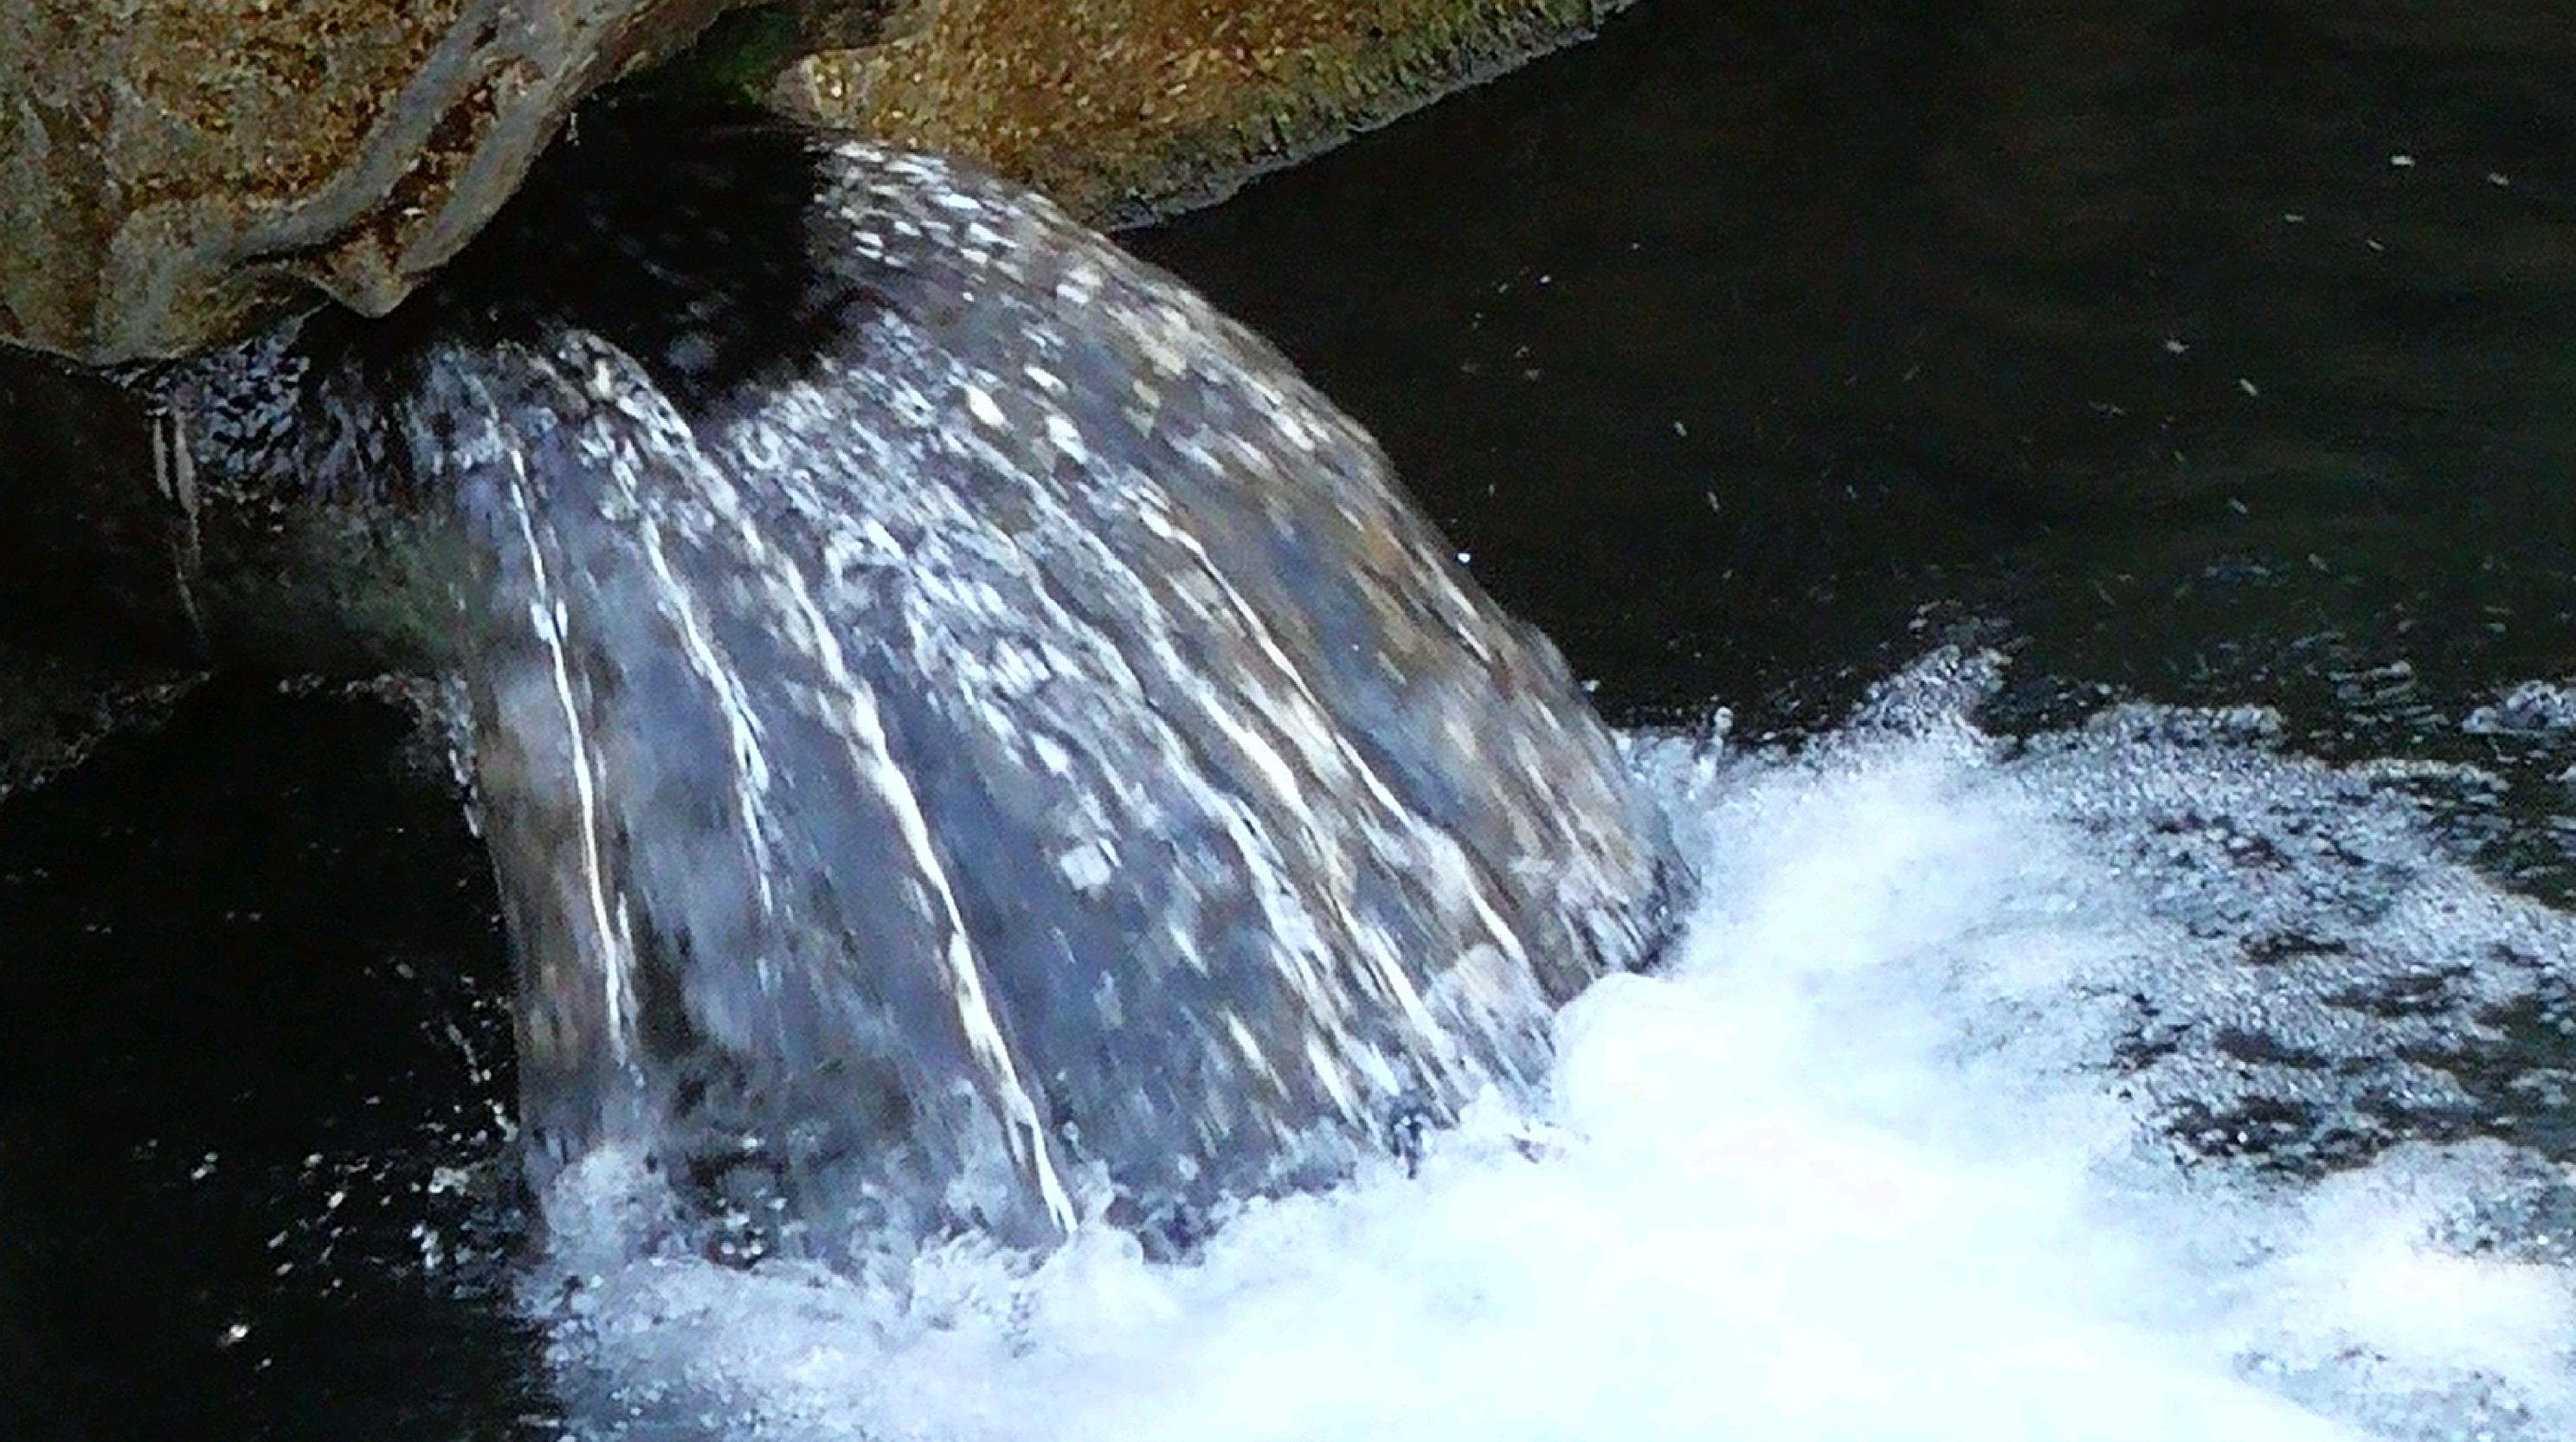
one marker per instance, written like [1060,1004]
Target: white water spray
[1885,1149]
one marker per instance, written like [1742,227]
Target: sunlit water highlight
[1891,1146]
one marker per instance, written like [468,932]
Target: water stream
[1016,734]
[2163,1029]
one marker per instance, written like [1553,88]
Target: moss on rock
[1123,109]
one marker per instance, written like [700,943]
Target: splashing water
[940,773]
[2133,1082]
[962,729]
[2137,1081]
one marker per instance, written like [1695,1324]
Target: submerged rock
[965,733]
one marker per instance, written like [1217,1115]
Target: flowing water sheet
[961,727]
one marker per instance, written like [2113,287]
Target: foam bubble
[2134,1082]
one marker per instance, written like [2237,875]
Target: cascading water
[2184,1070]
[965,735]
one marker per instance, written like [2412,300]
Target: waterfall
[966,736]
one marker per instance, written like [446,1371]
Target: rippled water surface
[2164,1034]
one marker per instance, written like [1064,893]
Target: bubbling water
[2137,1081]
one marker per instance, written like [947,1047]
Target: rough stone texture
[1121,109]
[172,172]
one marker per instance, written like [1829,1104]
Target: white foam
[2533,708]
[1873,1156]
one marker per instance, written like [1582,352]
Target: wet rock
[119,551]
[174,181]
[173,175]
[172,178]
[1121,109]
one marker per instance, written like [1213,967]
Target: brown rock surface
[174,172]
[171,172]
[1124,108]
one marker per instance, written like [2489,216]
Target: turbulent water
[2136,1081]
[961,727]
[1027,737]
[2132,1075]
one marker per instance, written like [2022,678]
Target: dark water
[1735,341]
[256,999]
[2199,353]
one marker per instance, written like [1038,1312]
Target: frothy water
[2133,1082]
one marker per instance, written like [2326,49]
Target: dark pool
[2205,353]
